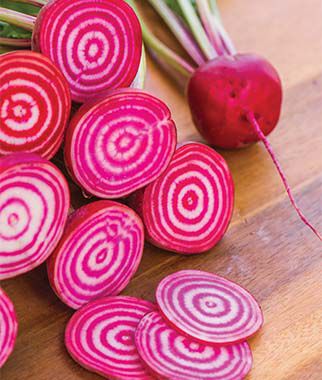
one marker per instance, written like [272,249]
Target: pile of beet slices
[196,330]
[72,97]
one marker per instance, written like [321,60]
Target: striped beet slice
[100,337]
[34,104]
[98,254]
[34,202]
[178,357]
[120,144]
[208,308]
[96,43]
[8,327]
[188,209]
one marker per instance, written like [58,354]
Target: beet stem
[179,29]
[22,20]
[37,3]
[197,28]
[163,51]
[252,119]
[15,42]
[207,19]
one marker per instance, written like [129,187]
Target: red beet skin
[223,91]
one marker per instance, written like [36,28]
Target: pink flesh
[188,209]
[34,104]
[96,43]
[208,308]
[8,327]
[177,357]
[224,90]
[98,254]
[100,337]
[34,202]
[120,144]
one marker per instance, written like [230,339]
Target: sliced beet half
[34,204]
[35,104]
[8,327]
[177,357]
[99,253]
[100,337]
[120,143]
[208,307]
[188,208]
[96,44]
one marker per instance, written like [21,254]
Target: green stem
[168,55]
[197,28]
[18,19]
[15,42]
[37,3]
[179,29]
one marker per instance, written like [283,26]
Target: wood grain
[267,249]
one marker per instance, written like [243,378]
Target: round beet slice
[100,337]
[178,357]
[8,327]
[188,208]
[120,144]
[35,104]
[99,253]
[208,307]
[34,203]
[97,44]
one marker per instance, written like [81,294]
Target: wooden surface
[267,249]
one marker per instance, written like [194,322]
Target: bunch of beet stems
[198,27]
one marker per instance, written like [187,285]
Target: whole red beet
[224,91]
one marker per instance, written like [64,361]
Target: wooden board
[267,249]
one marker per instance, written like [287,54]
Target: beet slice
[120,144]
[97,44]
[188,209]
[98,254]
[35,104]
[8,327]
[100,337]
[208,308]
[34,202]
[178,357]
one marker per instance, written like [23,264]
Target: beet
[208,308]
[99,253]
[120,143]
[100,337]
[223,91]
[8,327]
[188,208]
[35,104]
[34,202]
[178,357]
[96,43]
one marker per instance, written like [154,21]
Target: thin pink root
[251,118]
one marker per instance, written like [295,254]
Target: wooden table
[267,249]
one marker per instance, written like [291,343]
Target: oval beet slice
[178,357]
[34,203]
[96,44]
[100,337]
[35,104]
[208,307]
[99,253]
